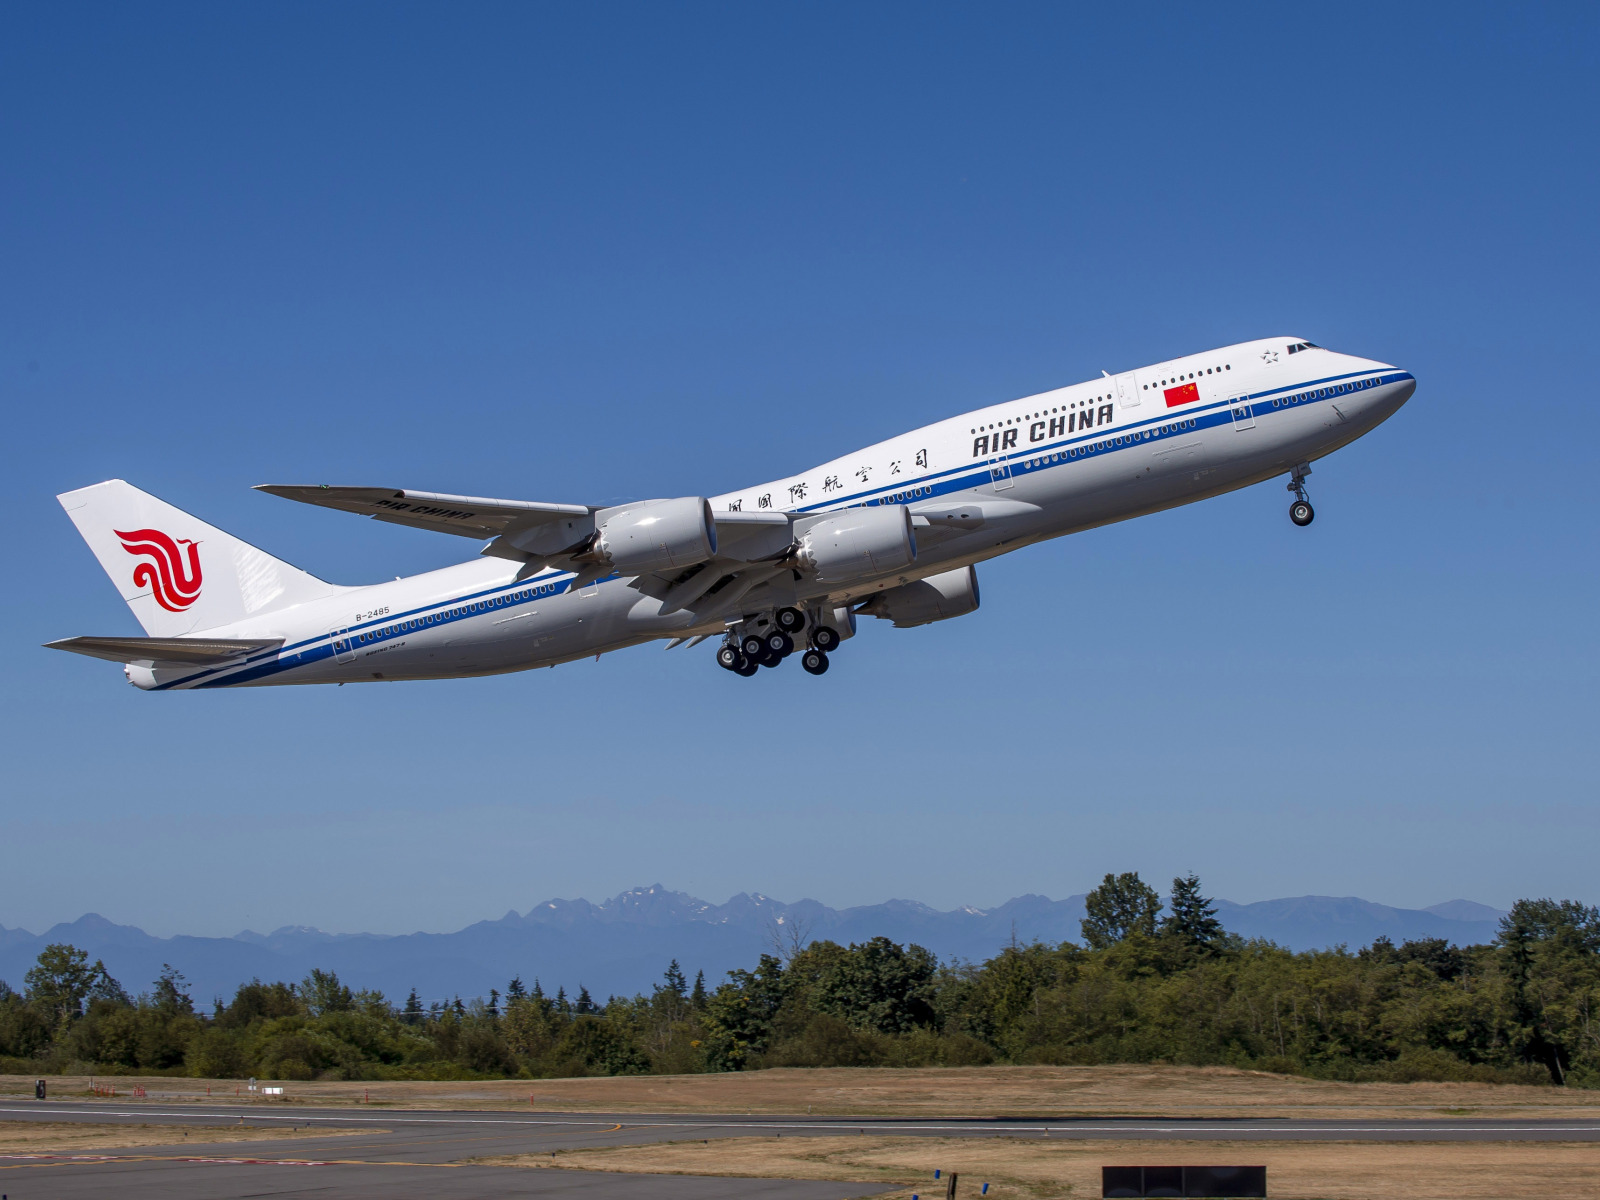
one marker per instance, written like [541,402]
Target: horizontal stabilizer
[189,652]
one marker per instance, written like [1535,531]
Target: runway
[417,1152]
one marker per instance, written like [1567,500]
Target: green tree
[1121,906]
[413,1013]
[1192,921]
[171,996]
[1549,949]
[61,981]
[323,993]
[878,985]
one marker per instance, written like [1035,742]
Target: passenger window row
[452,614]
[1322,393]
[1180,377]
[1126,439]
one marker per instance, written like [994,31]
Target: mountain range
[623,945]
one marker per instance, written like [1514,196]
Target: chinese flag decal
[1184,394]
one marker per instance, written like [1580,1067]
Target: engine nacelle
[936,598]
[859,542]
[656,535]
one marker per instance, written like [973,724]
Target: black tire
[789,619]
[780,644]
[769,659]
[815,662]
[729,658]
[753,647]
[825,638]
[747,668]
[1301,513]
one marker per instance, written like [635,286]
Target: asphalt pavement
[406,1153]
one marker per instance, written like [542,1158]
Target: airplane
[893,531]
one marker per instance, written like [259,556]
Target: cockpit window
[1299,346]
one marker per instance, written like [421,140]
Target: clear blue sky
[598,251]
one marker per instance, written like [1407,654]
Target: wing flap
[189,652]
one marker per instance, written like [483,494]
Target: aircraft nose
[1395,389]
[1400,390]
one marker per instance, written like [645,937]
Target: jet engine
[936,598]
[859,542]
[655,535]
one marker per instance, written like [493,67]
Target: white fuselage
[1035,468]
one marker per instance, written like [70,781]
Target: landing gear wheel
[1300,512]
[780,644]
[753,647]
[769,659]
[789,619]
[729,658]
[825,638]
[747,668]
[815,662]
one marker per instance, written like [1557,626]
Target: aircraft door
[1244,415]
[343,648]
[1127,391]
[1000,472]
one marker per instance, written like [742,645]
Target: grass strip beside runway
[1019,1168]
[55,1137]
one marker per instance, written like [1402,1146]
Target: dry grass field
[61,1137]
[925,1092]
[1036,1169]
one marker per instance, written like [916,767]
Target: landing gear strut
[1301,512]
[745,650]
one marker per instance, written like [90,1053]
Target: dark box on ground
[1209,1182]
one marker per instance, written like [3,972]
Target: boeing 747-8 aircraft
[894,531]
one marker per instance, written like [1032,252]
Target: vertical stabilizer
[177,573]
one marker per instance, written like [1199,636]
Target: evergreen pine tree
[459,1008]
[538,992]
[697,998]
[585,1002]
[494,1003]
[562,1005]
[676,984]
[1193,919]
[515,990]
[412,1013]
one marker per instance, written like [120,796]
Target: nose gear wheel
[1301,512]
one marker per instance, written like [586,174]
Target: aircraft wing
[466,516]
[188,652]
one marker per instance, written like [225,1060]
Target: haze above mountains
[623,945]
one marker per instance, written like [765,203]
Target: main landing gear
[770,641]
[1301,512]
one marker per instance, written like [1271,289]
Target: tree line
[1149,982]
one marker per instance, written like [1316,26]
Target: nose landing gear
[1301,512]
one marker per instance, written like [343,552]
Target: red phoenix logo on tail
[174,587]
